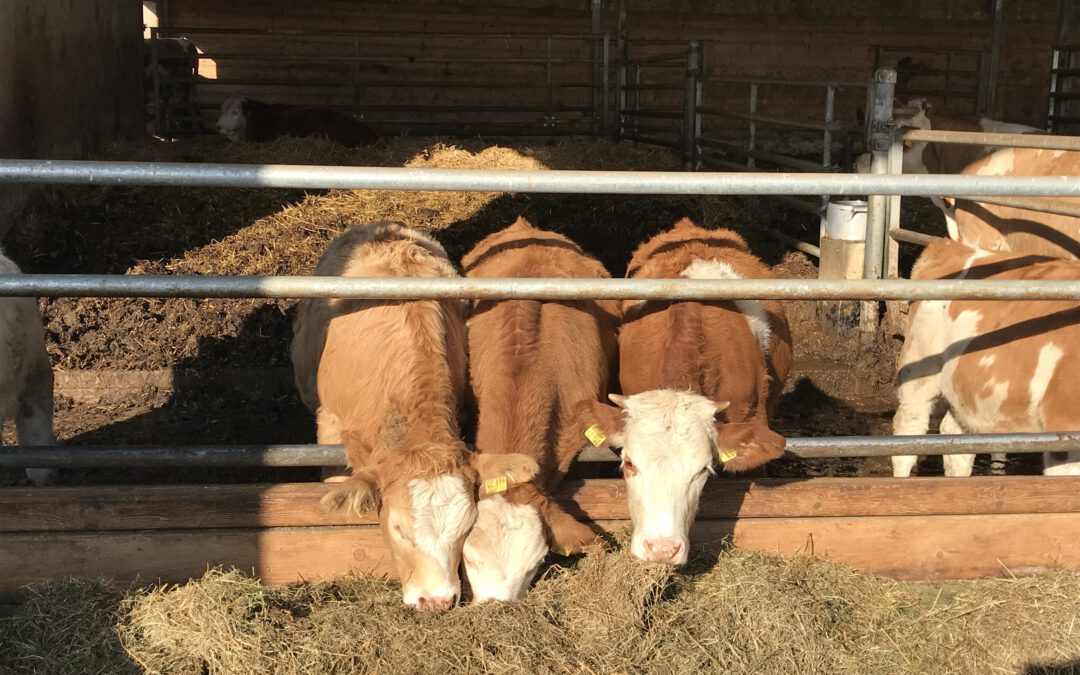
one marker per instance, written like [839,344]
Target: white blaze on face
[231,122]
[442,512]
[756,316]
[669,443]
[504,550]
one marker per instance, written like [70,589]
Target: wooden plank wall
[70,80]
[917,528]
[780,38]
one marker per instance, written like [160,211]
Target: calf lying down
[1001,366]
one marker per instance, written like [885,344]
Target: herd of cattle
[696,381]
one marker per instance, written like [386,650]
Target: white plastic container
[846,220]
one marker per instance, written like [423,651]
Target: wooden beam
[87,508]
[928,547]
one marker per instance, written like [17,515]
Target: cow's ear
[514,467]
[358,493]
[602,424]
[742,446]
[566,534]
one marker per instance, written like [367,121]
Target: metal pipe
[776,121]
[663,57]
[321,35]
[1041,141]
[410,288]
[1056,206]
[737,79]
[880,140]
[751,142]
[772,158]
[70,457]
[555,182]
[910,237]
[996,29]
[159,107]
[797,244]
[690,106]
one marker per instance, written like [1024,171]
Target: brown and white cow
[1007,228]
[386,378]
[944,158]
[26,377]
[247,120]
[530,362]
[699,380]
[1001,366]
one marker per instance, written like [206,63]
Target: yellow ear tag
[360,511]
[495,485]
[728,455]
[595,436]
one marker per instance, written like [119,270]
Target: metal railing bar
[655,114]
[750,79]
[776,121]
[911,237]
[1055,206]
[290,58]
[650,140]
[659,58]
[298,455]
[411,288]
[782,160]
[180,31]
[542,181]
[1041,141]
[374,84]
[797,244]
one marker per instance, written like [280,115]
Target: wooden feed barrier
[913,528]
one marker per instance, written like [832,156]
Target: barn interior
[530,84]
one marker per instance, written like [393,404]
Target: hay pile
[744,613]
[154,230]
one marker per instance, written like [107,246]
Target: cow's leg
[955,465]
[329,433]
[34,420]
[919,387]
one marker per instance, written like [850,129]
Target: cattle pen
[925,528]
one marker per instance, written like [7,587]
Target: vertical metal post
[594,65]
[637,96]
[547,80]
[604,86]
[1055,62]
[689,141]
[948,76]
[159,113]
[620,87]
[699,99]
[995,56]
[879,141]
[830,111]
[356,72]
[751,144]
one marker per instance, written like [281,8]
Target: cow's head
[515,528]
[232,121]
[426,499]
[671,442]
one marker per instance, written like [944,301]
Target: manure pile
[741,613]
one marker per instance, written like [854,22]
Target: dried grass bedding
[740,613]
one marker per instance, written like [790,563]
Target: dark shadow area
[1053,669]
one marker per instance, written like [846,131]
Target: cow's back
[697,345]
[376,365]
[1008,366]
[1004,228]
[532,361]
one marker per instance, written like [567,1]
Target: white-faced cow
[530,362]
[26,377]
[247,120]
[386,379]
[1001,366]
[944,158]
[700,379]
[1007,228]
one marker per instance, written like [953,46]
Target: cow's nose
[428,603]
[662,550]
